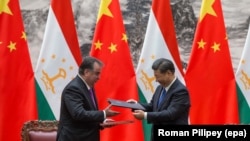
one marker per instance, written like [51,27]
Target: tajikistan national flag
[58,60]
[243,83]
[160,42]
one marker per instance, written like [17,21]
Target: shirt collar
[84,82]
[167,88]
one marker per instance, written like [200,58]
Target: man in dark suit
[170,103]
[80,119]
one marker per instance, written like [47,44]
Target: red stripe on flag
[64,15]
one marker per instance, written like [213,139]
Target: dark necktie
[163,94]
[92,96]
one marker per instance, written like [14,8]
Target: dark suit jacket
[79,118]
[174,109]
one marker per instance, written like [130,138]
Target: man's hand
[109,112]
[106,122]
[131,101]
[138,114]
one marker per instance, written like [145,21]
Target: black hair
[88,63]
[163,64]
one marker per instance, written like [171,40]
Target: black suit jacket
[79,118]
[174,110]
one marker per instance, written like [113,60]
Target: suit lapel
[96,104]
[157,96]
[167,97]
[87,94]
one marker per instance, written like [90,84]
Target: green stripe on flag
[244,110]
[146,126]
[44,110]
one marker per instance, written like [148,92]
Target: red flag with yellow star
[117,80]
[210,76]
[17,86]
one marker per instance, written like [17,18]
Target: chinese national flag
[117,80]
[210,76]
[17,86]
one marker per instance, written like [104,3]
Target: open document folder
[134,106]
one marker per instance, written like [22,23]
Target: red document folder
[117,122]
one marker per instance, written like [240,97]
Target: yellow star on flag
[113,47]
[216,47]
[153,56]
[226,38]
[142,60]
[104,10]
[4,7]
[12,46]
[201,44]
[98,45]
[207,8]
[124,37]
[24,36]
[243,61]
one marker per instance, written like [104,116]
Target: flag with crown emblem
[243,82]
[117,80]
[17,85]
[58,60]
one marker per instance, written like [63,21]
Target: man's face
[93,75]
[162,78]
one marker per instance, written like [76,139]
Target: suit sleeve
[79,107]
[175,109]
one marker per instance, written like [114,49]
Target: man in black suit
[170,103]
[80,119]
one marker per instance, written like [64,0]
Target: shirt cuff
[104,114]
[145,115]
